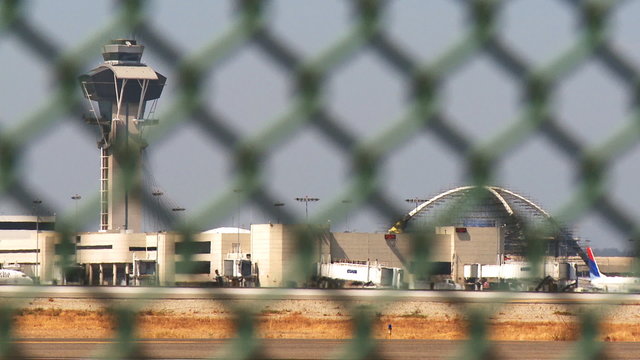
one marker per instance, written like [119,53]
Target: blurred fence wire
[307,108]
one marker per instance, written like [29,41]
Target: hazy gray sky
[366,95]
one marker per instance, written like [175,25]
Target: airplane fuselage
[8,276]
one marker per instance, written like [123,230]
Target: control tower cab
[122,93]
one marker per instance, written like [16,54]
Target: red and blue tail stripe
[594,271]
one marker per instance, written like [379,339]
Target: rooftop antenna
[121,88]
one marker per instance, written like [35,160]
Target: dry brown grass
[618,332]
[41,323]
[296,325]
[420,327]
[168,326]
[534,331]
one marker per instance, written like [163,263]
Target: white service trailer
[563,273]
[374,274]
[520,270]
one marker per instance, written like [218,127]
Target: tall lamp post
[278,205]
[176,211]
[416,201]
[238,193]
[75,199]
[36,206]
[306,199]
[347,202]
[156,194]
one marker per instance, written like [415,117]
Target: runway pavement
[312,349]
[174,293]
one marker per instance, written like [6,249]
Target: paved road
[314,349]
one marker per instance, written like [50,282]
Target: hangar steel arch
[492,206]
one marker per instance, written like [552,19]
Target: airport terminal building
[266,254]
[122,259]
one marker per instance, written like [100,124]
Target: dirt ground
[75,318]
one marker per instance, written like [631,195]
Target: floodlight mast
[416,201]
[306,199]
[121,87]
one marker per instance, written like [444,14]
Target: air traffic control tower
[125,92]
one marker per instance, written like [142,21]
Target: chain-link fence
[306,106]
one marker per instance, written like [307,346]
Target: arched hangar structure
[491,206]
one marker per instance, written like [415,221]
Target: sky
[248,91]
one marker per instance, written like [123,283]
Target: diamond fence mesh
[307,108]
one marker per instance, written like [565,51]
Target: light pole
[237,210]
[175,218]
[156,194]
[347,202]
[416,201]
[36,206]
[306,199]
[238,192]
[75,199]
[278,205]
